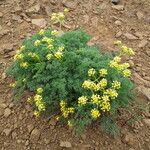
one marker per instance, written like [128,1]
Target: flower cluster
[66,111]
[124,49]
[59,17]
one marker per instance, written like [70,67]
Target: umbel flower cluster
[69,79]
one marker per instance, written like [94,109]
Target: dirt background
[129,21]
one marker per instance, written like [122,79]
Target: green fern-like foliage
[54,69]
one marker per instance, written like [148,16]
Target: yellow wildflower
[112,93]
[24,65]
[116,85]
[117,59]
[39,102]
[102,84]
[71,110]
[39,90]
[66,10]
[57,118]
[37,43]
[36,113]
[22,48]
[91,72]
[54,32]
[113,64]
[103,72]
[49,56]
[126,73]
[95,99]
[82,100]
[105,98]
[18,56]
[50,46]
[95,113]
[41,32]
[105,106]
[61,48]
[58,55]
[70,123]
[30,100]
[13,85]
[88,84]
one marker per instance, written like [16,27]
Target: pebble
[116,2]
[14,135]
[118,34]
[65,144]
[118,7]
[30,128]
[35,135]
[33,9]
[129,139]
[7,131]
[140,15]
[39,22]
[130,36]
[145,91]
[143,43]
[147,122]
[118,23]
[1,14]
[69,4]
[7,112]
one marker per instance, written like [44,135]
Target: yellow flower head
[116,85]
[49,56]
[54,32]
[70,110]
[24,65]
[117,59]
[70,123]
[112,93]
[18,56]
[66,10]
[113,64]
[36,113]
[91,72]
[95,113]
[13,85]
[61,48]
[105,98]
[105,106]
[126,73]
[102,84]
[58,55]
[39,90]
[41,32]
[103,72]
[118,42]
[63,104]
[88,84]
[22,48]
[82,100]
[37,43]
[95,99]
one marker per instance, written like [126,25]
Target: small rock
[118,23]
[1,27]
[147,122]
[7,131]
[14,135]
[69,4]
[145,91]
[17,18]
[129,139]
[130,36]
[118,7]
[140,15]
[35,135]
[65,144]
[143,43]
[131,63]
[33,9]
[1,14]
[18,9]
[118,34]
[116,2]
[30,128]
[148,20]
[39,22]
[7,112]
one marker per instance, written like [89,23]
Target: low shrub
[71,80]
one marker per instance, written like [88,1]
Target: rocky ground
[128,21]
